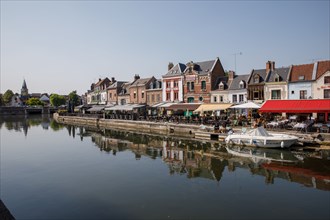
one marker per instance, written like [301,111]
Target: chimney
[268,66]
[99,79]
[231,75]
[113,79]
[136,77]
[273,65]
[170,65]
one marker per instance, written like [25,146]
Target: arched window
[190,100]
[241,84]
[221,86]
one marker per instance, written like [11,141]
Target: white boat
[259,137]
[262,155]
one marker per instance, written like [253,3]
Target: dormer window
[241,84]
[301,77]
[151,85]
[256,79]
[276,78]
[221,86]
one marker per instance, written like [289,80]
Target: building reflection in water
[209,160]
[196,159]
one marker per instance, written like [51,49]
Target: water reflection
[209,160]
[196,159]
[22,123]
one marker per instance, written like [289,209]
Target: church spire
[24,90]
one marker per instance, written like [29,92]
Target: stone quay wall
[172,129]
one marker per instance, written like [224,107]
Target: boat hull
[284,141]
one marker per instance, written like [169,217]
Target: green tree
[57,100]
[74,98]
[1,100]
[34,101]
[7,96]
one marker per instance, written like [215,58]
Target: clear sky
[61,46]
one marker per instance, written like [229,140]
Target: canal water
[54,171]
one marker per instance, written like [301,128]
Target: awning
[296,106]
[96,108]
[247,105]
[161,104]
[212,107]
[128,107]
[183,106]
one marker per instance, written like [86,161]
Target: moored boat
[259,137]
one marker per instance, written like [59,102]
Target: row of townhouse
[207,82]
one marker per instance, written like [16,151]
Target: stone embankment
[180,130]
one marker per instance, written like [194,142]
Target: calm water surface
[52,171]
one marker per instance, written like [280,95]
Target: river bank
[322,141]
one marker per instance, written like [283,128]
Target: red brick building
[199,79]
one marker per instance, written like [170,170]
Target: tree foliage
[74,98]
[34,101]
[7,96]
[1,100]
[57,100]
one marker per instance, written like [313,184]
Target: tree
[74,98]
[34,101]
[1,100]
[7,96]
[57,100]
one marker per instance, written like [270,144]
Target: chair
[324,129]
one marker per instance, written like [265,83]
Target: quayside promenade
[184,130]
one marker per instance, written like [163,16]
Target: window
[214,99]
[303,94]
[142,95]
[168,84]
[256,79]
[241,98]
[201,98]
[241,85]
[152,98]
[234,98]
[256,95]
[110,95]
[190,99]
[221,86]
[134,95]
[176,84]
[176,96]
[188,86]
[148,98]
[276,94]
[292,92]
[301,77]
[151,85]
[203,85]
[168,96]
[326,79]
[327,93]
[192,85]
[276,78]
[158,97]
[221,98]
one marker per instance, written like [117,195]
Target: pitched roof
[176,70]
[141,82]
[24,85]
[223,79]
[116,84]
[261,72]
[322,67]
[282,72]
[237,79]
[203,67]
[304,71]
[100,82]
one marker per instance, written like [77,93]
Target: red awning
[297,106]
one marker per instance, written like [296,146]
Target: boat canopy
[259,131]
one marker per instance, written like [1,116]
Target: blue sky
[61,46]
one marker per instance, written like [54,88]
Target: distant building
[173,83]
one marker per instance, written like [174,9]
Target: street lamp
[235,54]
